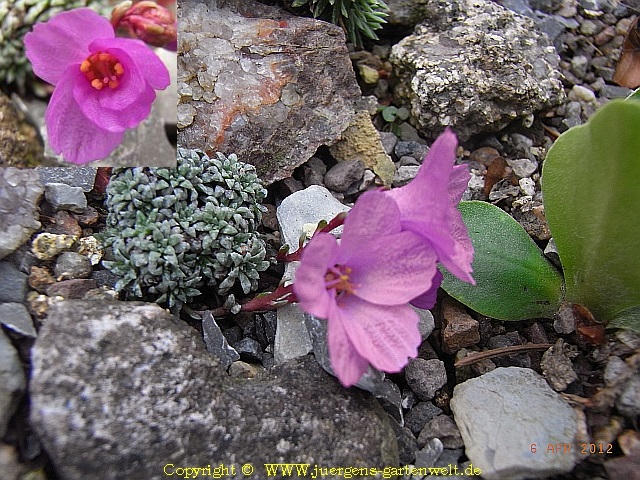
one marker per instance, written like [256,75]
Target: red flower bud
[148,21]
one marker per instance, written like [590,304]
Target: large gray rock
[508,417]
[123,387]
[475,66]
[20,192]
[12,381]
[266,85]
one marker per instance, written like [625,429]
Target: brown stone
[459,330]
[72,289]
[40,278]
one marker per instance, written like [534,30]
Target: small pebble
[70,265]
[425,377]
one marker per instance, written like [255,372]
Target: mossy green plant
[358,17]
[173,231]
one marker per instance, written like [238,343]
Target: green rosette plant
[173,231]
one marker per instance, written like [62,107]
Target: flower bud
[148,21]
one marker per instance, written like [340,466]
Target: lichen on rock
[474,66]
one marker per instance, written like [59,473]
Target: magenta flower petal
[347,363]
[374,215]
[64,40]
[428,299]
[309,286]
[428,206]
[386,336]
[69,132]
[152,68]
[393,270]
[91,103]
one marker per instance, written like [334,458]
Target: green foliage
[514,280]
[17,17]
[358,17]
[592,205]
[174,230]
[635,95]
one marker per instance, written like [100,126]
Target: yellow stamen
[102,69]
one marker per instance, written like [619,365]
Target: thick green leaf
[514,280]
[628,319]
[592,203]
[635,95]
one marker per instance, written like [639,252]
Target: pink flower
[427,207]
[103,85]
[148,21]
[362,287]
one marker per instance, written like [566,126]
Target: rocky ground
[112,387]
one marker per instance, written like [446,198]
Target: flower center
[337,277]
[102,69]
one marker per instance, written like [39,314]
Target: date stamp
[568,448]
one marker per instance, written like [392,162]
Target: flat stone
[425,377]
[75,288]
[426,323]
[308,206]
[459,330]
[407,444]
[445,429]
[20,193]
[405,174]
[15,316]
[13,381]
[83,177]
[343,174]
[429,454]
[262,83]
[167,400]
[292,338]
[216,342]
[474,66]
[71,265]
[503,413]
[63,197]
[522,167]
[13,283]
[249,350]
[628,403]
[557,367]
[419,415]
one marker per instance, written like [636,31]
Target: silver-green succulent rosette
[17,17]
[174,230]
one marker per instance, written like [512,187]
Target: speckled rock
[20,145]
[100,399]
[264,84]
[20,192]
[475,66]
